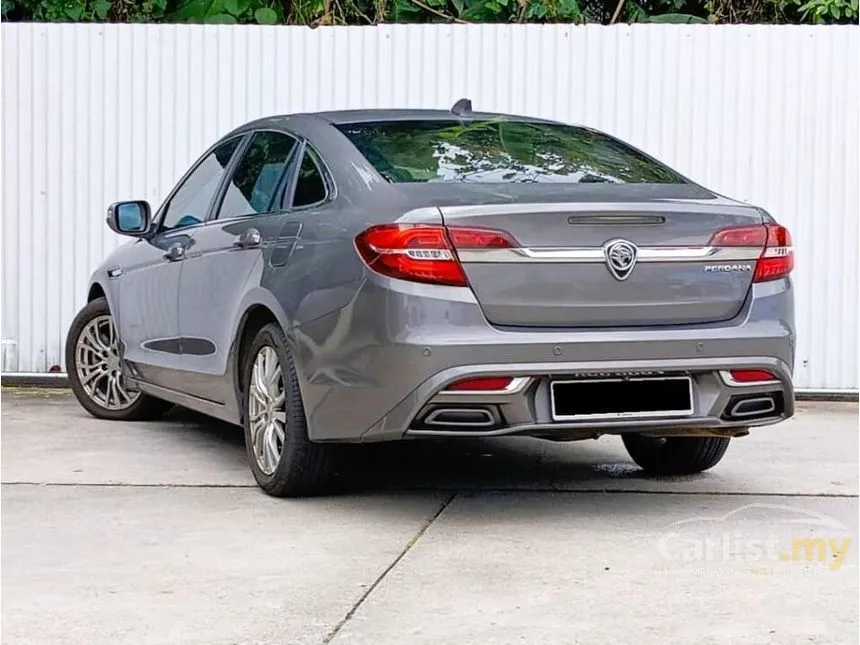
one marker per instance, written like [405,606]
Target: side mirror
[129,218]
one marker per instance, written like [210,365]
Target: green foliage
[226,12]
[675,18]
[821,12]
[358,12]
[84,10]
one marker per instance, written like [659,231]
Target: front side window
[500,150]
[190,203]
[259,175]
[310,184]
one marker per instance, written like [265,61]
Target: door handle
[175,252]
[249,239]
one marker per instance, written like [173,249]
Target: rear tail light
[424,252]
[482,384]
[751,376]
[741,236]
[777,261]
[777,256]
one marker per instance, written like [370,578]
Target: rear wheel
[675,455]
[94,369]
[285,462]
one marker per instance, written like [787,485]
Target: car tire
[675,455]
[94,373]
[285,462]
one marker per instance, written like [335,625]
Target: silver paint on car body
[371,352]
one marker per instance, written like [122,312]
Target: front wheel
[285,462]
[675,455]
[94,369]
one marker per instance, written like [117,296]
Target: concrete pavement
[155,533]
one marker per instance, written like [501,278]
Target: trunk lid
[560,274]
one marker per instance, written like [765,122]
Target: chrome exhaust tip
[460,418]
[752,407]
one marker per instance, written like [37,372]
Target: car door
[148,282]
[305,289]
[226,252]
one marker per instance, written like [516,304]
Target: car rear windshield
[501,151]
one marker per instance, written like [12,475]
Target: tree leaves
[825,11]
[676,18]
[220,19]
[226,12]
[197,10]
[350,12]
[236,7]
[266,16]
[101,8]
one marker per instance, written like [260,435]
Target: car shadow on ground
[445,464]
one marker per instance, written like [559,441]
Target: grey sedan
[363,276]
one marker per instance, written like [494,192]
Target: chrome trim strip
[620,415]
[589,255]
[731,382]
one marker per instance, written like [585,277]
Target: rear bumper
[369,371]
[528,411]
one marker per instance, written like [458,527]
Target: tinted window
[191,202]
[310,185]
[500,151]
[259,175]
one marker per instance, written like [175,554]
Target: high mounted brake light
[777,255]
[424,252]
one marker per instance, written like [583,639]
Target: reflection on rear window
[500,151]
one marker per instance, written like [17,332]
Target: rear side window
[500,151]
[310,184]
[259,176]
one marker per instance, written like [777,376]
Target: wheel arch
[96,291]
[258,307]
[252,320]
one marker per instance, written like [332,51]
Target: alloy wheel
[267,412]
[98,366]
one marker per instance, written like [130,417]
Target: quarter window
[310,185]
[259,175]
[191,201]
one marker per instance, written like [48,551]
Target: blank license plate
[621,398]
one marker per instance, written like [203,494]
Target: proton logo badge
[620,258]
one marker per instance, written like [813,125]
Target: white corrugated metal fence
[97,113]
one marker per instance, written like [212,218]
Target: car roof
[361,116]
[341,117]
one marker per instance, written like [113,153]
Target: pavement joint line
[452,491]
[426,525]
[122,485]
